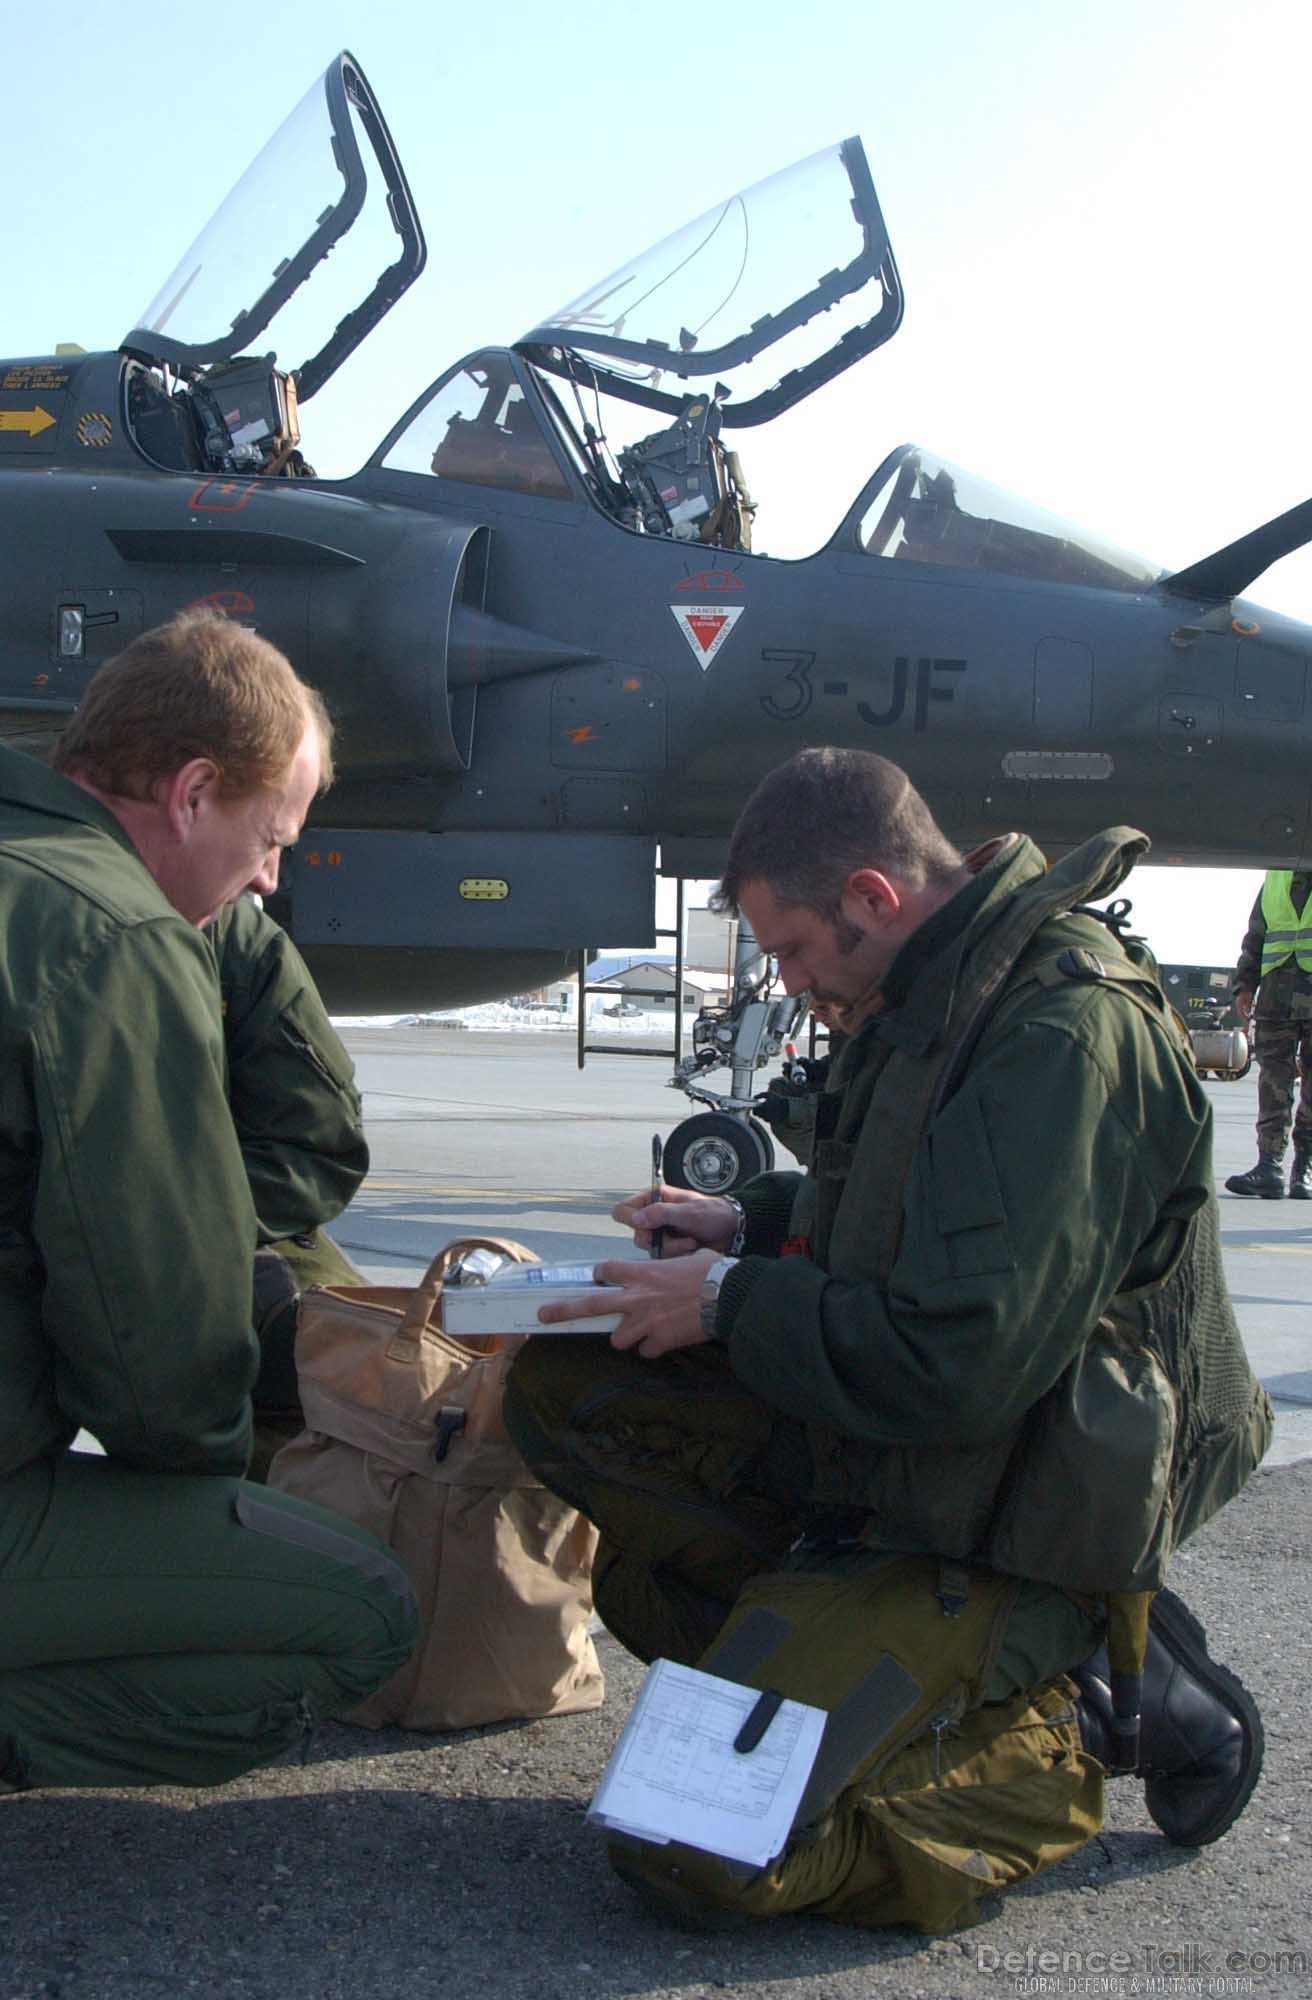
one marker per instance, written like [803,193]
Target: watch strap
[709,1300]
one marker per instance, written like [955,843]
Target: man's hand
[660,1302]
[1244,1005]
[690,1221]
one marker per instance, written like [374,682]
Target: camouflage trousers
[1283,1048]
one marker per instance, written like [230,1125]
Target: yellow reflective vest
[1288,936]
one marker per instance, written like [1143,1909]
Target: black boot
[1200,1748]
[1265,1179]
[1300,1175]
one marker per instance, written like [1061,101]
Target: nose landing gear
[716,1151]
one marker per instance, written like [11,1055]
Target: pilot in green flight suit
[896,1437]
[162,1621]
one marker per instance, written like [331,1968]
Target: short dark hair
[200,686]
[813,821]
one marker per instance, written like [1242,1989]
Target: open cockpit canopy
[755,304]
[330,169]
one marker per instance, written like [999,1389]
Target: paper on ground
[675,1775]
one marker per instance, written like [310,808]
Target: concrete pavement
[394,1866]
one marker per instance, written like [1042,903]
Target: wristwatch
[710,1292]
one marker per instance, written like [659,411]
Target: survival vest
[1159,1420]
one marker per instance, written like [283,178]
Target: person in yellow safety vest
[1273,993]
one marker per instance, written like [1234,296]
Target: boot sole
[1262,1194]
[1188,1642]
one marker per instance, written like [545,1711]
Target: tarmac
[395,1864]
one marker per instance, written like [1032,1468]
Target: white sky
[1099,216]
[1190,916]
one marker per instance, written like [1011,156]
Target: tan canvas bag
[404,1434]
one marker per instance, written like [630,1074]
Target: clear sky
[1099,215]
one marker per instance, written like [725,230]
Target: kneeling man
[905,1436]
[161,1621]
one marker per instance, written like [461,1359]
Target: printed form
[675,1775]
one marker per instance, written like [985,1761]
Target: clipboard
[709,1763]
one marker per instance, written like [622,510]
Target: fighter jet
[545,614]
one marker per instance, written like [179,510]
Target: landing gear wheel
[715,1153]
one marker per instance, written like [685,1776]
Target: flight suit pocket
[831,1163]
[970,1217]
[299,1028]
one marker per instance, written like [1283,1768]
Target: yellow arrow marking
[33,421]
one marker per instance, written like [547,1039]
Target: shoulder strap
[1055,969]
[422,1308]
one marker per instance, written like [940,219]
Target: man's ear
[184,796]
[876,893]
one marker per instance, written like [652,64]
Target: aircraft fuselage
[532,698]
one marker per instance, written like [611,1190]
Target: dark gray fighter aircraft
[537,612]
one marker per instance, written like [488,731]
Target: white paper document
[675,1775]
[509,1300]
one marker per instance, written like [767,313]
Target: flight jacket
[126,1223]
[1014,1140]
[291,1084]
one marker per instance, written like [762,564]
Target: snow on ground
[503,1016]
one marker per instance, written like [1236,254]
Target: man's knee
[579,1409]
[547,1381]
[694,1890]
[374,1620]
[948,1822]
[930,1791]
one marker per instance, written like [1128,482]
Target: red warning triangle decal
[706,627]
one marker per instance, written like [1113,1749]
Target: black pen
[657,1235]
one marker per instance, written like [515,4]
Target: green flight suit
[292,1094]
[291,1089]
[163,1621]
[1015,1139]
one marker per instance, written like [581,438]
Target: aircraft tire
[715,1153]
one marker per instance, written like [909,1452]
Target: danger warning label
[706,627]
